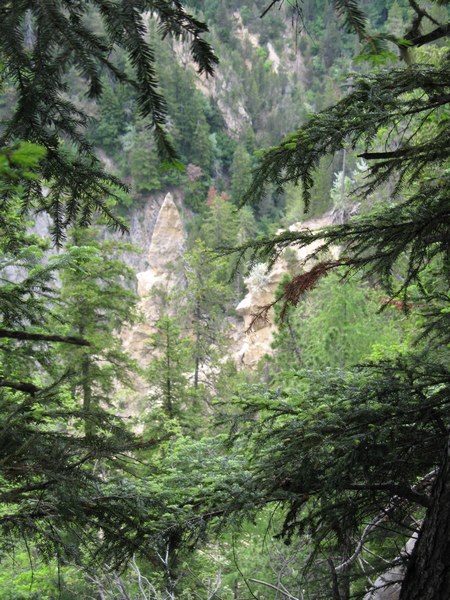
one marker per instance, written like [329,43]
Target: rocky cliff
[166,244]
[250,340]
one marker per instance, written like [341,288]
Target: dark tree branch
[43,337]
[399,490]
[384,155]
[334,580]
[421,12]
[15,495]
[265,11]
[436,34]
[21,386]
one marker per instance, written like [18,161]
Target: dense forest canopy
[176,470]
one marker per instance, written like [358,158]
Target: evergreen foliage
[144,161]
[167,370]
[39,43]
[321,449]
[205,295]
[63,454]
[54,492]
[334,326]
[396,243]
[98,301]
[338,441]
[241,169]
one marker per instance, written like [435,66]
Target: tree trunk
[169,404]
[345,546]
[428,572]
[89,428]
[197,315]
[196,372]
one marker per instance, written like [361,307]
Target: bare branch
[274,587]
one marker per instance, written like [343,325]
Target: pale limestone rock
[252,338]
[273,57]
[146,281]
[168,238]
[388,585]
[167,245]
[257,333]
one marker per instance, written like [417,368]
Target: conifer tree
[39,42]
[205,296]
[111,123]
[98,300]
[63,454]
[60,488]
[225,227]
[143,161]
[241,170]
[168,370]
[405,236]
[335,326]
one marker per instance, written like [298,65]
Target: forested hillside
[224,266]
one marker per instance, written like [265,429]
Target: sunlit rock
[253,335]
[167,245]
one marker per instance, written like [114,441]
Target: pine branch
[437,34]
[20,386]
[377,102]
[43,337]
[355,18]
[43,113]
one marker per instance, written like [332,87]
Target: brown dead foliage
[293,290]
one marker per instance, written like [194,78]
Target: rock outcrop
[252,338]
[388,585]
[167,245]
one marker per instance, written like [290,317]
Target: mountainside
[272,73]
[224,300]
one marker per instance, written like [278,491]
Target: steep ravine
[162,239]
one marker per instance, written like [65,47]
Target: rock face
[166,247]
[142,219]
[252,338]
[226,85]
[167,244]
[388,585]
